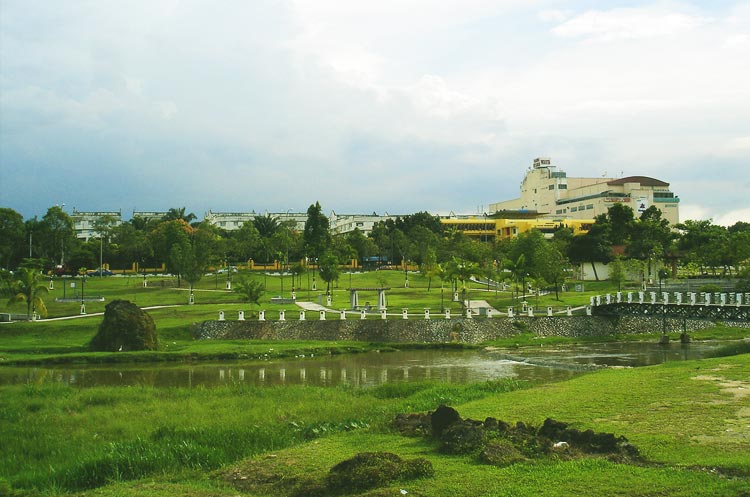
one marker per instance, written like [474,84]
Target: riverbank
[66,342]
[688,420]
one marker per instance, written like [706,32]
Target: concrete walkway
[311,306]
[79,316]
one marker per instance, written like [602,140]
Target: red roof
[643,180]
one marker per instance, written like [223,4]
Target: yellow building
[549,191]
[485,228]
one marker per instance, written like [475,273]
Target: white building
[345,223]
[149,216]
[553,194]
[84,223]
[231,221]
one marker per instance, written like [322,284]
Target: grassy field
[689,419]
[211,291]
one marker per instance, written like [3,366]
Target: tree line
[189,247]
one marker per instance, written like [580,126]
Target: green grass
[120,441]
[689,419]
[210,290]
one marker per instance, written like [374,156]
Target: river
[539,364]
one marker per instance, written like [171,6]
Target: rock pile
[499,443]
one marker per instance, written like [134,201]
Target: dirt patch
[738,428]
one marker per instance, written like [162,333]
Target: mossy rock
[501,453]
[463,437]
[363,473]
[125,327]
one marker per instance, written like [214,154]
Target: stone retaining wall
[442,330]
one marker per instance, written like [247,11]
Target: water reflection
[370,369]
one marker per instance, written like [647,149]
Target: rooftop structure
[84,223]
[149,216]
[554,195]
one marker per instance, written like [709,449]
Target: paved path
[79,316]
[311,306]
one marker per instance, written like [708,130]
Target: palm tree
[463,271]
[439,271]
[266,225]
[28,287]
[175,214]
[250,290]
[517,268]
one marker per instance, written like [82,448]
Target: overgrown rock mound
[364,472]
[125,327]
[499,443]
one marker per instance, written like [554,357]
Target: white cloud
[553,15]
[628,23]
[732,217]
[324,96]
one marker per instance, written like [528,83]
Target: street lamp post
[101,255]
[83,285]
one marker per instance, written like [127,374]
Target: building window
[562,187]
[574,209]
[590,206]
[551,187]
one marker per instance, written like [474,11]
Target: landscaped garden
[687,420]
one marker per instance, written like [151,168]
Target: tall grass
[59,437]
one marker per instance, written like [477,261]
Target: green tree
[463,271]
[132,245]
[329,269]
[429,266]
[364,246]
[12,238]
[620,218]
[248,241]
[317,234]
[249,289]
[29,287]
[266,225]
[166,235]
[178,214]
[104,228]
[591,247]
[56,235]
[517,269]
[650,235]
[617,272]
[553,265]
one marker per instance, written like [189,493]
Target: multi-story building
[554,195]
[231,221]
[339,223]
[344,223]
[84,223]
[148,216]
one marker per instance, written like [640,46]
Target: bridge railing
[678,298]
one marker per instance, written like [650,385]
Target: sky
[393,106]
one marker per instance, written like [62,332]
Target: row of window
[575,209]
[559,187]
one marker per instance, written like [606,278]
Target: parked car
[97,272]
